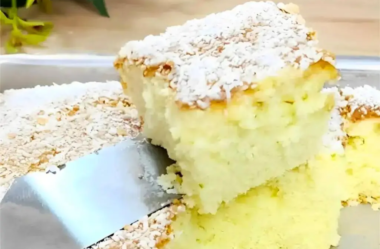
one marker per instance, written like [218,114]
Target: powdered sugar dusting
[361,102]
[333,139]
[148,233]
[358,97]
[205,59]
[43,127]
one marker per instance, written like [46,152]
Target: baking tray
[359,226]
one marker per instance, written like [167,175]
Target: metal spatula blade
[88,200]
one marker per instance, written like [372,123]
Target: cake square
[235,98]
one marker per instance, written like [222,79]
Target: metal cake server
[88,200]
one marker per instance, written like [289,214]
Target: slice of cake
[362,115]
[298,210]
[234,97]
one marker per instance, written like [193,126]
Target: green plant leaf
[34,39]
[29,3]
[44,29]
[23,23]
[35,27]
[14,43]
[100,5]
[4,19]
[18,38]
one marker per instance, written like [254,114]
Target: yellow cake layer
[227,149]
[363,164]
[298,210]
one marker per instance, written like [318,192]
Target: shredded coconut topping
[352,103]
[333,139]
[148,233]
[43,127]
[205,59]
[363,96]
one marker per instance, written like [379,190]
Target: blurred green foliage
[25,32]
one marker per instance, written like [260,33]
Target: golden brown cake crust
[206,60]
[362,113]
[362,103]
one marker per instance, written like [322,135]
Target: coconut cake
[235,98]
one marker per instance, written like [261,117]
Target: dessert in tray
[266,157]
[302,204]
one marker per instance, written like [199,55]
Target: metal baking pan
[359,226]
